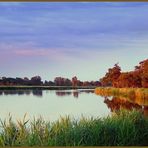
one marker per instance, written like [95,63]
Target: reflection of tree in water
[75,93]
[1,92]
[38,93]
[116,103]
[87,91]
[63,93]
[16,92]
[21,92]
[145,111]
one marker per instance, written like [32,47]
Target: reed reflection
[116,103]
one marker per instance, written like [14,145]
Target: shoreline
[133,93]
[18,87]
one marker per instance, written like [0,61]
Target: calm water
[51,104]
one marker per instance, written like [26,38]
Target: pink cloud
[52,54]
[26,52]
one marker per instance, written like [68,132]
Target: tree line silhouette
[37,81]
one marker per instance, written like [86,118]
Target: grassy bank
[122,129]
[133,93]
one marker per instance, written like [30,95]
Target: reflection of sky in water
[52,104]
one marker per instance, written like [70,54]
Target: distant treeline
[114,77]
[37,81]
[136,78]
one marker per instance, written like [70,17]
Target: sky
[69,39]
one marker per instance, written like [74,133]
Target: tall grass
[121,129]
[139,95]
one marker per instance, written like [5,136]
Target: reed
[133,93]
[121,129]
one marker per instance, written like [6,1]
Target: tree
[142,70]
[111,77]
[135,78]
[144,76]
[36,80]
[74,81]
[59,81]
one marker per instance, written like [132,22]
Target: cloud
[55,55]
[72,35]
[66,28]
[27,52]
[10,4]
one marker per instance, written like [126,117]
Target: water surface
[51,104]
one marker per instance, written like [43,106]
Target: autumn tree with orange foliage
[144,73]
[111,77]
[136,78]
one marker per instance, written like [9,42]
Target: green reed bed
[140,93]
[121,129]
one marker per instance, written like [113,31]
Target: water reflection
[38,93]
[62,93]
[52,105]
[51,97]
[145,111]
[139,100]
[116,103]
[75,93]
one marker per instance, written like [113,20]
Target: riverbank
[16,87]
[121,129]
[133,93]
